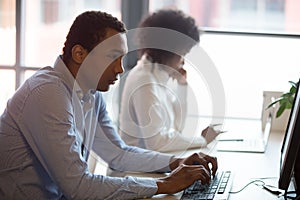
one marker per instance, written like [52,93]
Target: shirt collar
[60,67]
[156,69]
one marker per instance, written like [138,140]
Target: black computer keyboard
[208,191]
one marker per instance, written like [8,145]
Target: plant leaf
[280,110]
[274,102]
[286,100]
[293,90]
[288,94]
[283,101]
[294,84]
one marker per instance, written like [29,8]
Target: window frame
[129,16]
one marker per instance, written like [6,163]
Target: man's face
[103,64]
[114,54]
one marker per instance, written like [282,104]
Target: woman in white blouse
[152,114]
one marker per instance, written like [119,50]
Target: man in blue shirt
[58,115]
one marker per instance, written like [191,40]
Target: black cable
[272,190]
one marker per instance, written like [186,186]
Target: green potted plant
[285,100]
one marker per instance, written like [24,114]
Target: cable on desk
[272,189]
[252,182]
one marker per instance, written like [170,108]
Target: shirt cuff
[149,186]
[165,160]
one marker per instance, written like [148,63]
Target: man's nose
[119,66]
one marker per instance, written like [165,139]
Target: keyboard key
[221,190]
[210,197]
[223,185]
[217,186]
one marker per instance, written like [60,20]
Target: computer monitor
[290,146]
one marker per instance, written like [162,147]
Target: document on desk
[239,143]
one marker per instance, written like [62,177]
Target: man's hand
[209,133]
[208,162]
[186,171]
[182,177]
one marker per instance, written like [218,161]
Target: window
[47,23]
[8,50]
[249,65]
[252,43]
[7,82]
[264,16]
[7,32]
[43,27]
[271,61]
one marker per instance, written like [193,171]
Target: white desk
[246,166]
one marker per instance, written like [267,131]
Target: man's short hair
[88,30]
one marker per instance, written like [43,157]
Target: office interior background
[254,44]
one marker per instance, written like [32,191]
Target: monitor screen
[291,143]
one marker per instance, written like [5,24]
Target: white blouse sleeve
[151,118]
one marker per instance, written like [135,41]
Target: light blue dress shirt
[42,131]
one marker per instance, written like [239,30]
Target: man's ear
[79,53]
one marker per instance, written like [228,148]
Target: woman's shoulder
[140,73]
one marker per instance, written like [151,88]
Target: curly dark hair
[88,29]
[170,19]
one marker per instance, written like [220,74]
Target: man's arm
[113,150]
[50,132]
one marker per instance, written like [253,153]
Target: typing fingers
[214,164]
[212,160]
[200,173]
[208,162]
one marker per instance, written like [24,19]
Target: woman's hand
[180,75]
[209,134]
